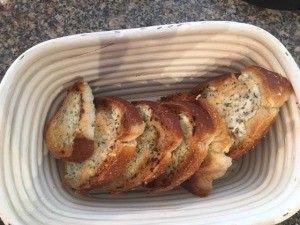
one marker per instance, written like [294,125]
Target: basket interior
[142,64]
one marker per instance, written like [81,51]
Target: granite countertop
[24,23]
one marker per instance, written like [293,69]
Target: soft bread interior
[183,158]
[117,125]
[107,122]
[146,149]
[237,100]
[179,154]
[70,133]
[161,136]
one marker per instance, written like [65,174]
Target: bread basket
[263,187]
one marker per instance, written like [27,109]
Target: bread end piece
[117,125]
[70,133]
[275,88]
[275,91]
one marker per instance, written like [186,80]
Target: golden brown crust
[223,138]
[186,169]
[275,90]
[202,135]
[169,136]
[213,167]
[216,163]
[215,81]
[121,152]
[209,142]
[131,126]
[111,167]
[131,120]
[201,120]
[183,96]
[80,147]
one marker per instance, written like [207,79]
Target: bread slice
[154,147]
[223,139]
[216,162]
[249,103]
[198,132]
[214,167]
[118,124]
[274,92]
[70,133]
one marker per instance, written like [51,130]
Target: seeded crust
[199,132]
[216,162]
[273,90]
[70,133]
[117,126]
[154,147]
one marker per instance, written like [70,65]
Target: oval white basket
[261,188]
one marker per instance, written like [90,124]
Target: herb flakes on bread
[187,139]
[216,162]
[198,132]
[154,147]
[70,133]
[249,103]
[117,125]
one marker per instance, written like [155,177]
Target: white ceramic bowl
[261,188]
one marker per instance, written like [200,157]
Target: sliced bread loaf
[117,125]
[198,132]
[216,163]
[70,133]
[154,147]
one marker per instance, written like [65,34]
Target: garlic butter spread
[237,101]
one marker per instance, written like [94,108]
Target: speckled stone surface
[24,23]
